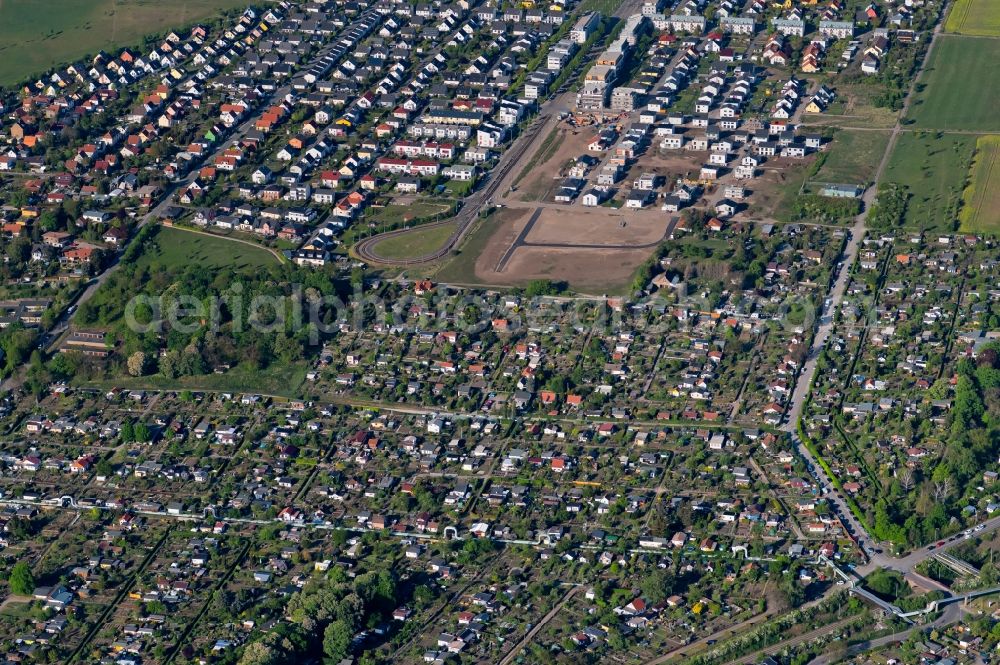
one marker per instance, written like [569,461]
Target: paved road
[155,213]
[502,263]
[53,338]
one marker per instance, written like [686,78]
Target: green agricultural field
[175,248]
[981,198]
[417,242]
[932,166]
[38,34]
[853,157]
[974,17]
[958,89]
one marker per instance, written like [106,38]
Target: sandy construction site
[594,250]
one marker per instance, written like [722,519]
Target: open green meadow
[416,242]
[398,214]
[38,34]
[853,157]
[981,198]
[279,379]
[174,248]
[168,253]
[974,17]
[958,90]
[932,166]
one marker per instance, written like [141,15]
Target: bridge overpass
[935,605]
[957,565]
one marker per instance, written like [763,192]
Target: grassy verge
[542,155]
[461,269]
[834,480]
[395,215]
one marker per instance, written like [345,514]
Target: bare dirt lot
[552,156]
[774,191]
[592,271]
[580,226]
[556,248]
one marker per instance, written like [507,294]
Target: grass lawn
[394,215]
[417,242]
[854,107]
[981,199]
[38,34]
[459,188]
[175,247]
[958,89]
[853,157]
[933,168]
[16,609]
[606,7]
[278,379]
[974,17]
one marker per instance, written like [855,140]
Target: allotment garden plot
[898,396]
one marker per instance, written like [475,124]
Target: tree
[258,653]
[141,433]
[337,640]
[887,583]
[104,468]
[905,478]
[543,287]
[658,586]
[137,363]
[168,364]
[22,582]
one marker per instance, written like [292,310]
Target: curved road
[471,205]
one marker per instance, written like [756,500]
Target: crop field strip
[981,199]
[974,17]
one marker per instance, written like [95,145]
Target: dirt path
[509,658]
[686,650]
[795,641]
